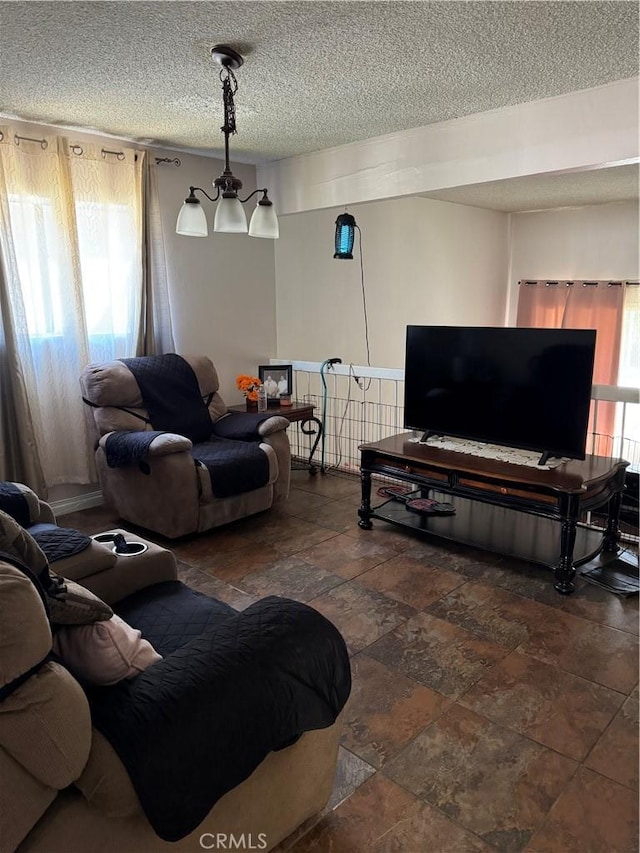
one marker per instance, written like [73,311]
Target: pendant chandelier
[230,217]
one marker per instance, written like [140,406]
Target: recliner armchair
[163,480]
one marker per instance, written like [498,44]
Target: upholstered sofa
[171,491]
[63,787]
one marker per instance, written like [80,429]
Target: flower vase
[252,405]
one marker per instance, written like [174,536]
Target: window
[35,241]
[107,265]
[71,240]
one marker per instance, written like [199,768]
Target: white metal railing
[364,404]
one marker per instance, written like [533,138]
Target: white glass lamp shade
[230,217]
[191,220]
[264,222]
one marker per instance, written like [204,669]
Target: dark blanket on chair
[234,466]
[128,447]
[197,723]
[14,503]
[171,395]
[239,425]
[170,614]
[59,542]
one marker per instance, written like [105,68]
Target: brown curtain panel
[19,458]
[582,305]
[155,331]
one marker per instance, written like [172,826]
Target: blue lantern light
[345,231]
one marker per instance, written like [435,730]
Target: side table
[302,412]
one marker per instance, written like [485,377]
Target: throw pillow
[105,652]
[72,604]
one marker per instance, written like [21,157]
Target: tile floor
[488,713]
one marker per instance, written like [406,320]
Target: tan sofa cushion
[45,726]
[16,542]
[275,423]
[105,783]
[25,636]
[97,557]
[130,574]
[44,722]
[24,800]
[111,383]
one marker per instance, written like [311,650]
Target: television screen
[519,387]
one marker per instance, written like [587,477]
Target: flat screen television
[518,387]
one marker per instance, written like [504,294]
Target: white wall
[425,262]
[599,242]
[221,287]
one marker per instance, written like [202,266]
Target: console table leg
[365,509]
[565,572]
[611,536]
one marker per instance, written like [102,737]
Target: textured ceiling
[316,74]
[540,192]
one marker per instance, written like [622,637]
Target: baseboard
[75,504]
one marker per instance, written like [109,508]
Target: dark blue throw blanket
[128,447]
[241,426]
[235,466]
[14,503]
[197,723]
[170,614]
[59,542]
[171,395]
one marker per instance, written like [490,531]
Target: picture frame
[277,379]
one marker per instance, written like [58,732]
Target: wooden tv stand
[512,494]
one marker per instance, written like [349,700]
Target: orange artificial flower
[248,385]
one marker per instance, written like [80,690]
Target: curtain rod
[528,283]
[117,154]
[42,142]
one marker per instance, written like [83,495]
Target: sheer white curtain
[70,236]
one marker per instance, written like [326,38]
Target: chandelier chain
[229,89]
